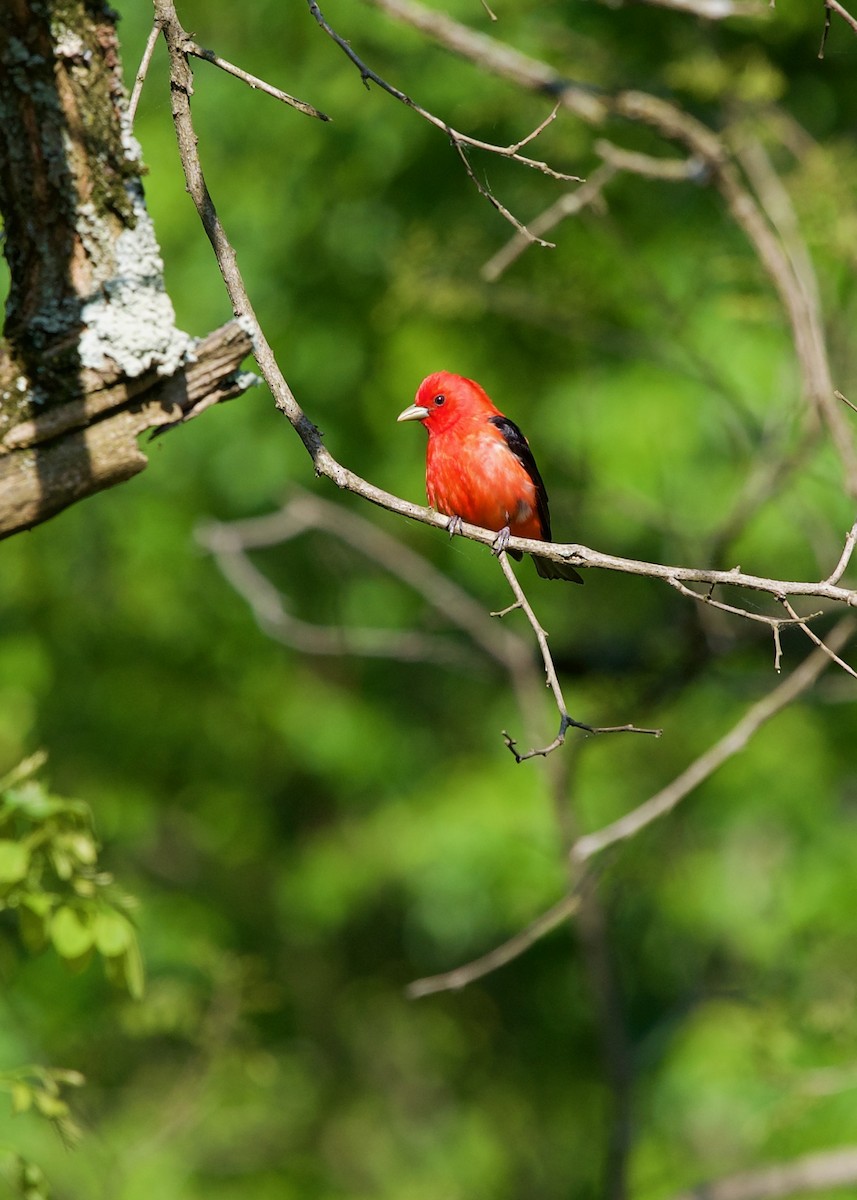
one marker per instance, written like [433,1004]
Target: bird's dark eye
[439,400]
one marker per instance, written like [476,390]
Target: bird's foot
[454,526]
[501,541]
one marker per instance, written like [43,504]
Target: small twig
[664,801]
[567,206]
[825,31]
[831,6]
[190,47]
[566,722]
[272,617]
[648,166]
[530,237]
[844,400]
[460,141]
[142,71]
[845,557]
[460,977]
[774,623]
[813,637]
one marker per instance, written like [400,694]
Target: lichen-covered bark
[90,335]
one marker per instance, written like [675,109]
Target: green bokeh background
[306,835]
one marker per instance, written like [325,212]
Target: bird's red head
[442,399]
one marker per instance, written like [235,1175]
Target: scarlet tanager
[479,467]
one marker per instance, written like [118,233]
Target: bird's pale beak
[416,412]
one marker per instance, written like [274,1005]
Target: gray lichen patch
[130,318]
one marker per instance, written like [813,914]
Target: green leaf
[14,861]
[113,933]
[22,1097]
[127,971]
[72,933]
[51,1106]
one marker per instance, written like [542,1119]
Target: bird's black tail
[548,569]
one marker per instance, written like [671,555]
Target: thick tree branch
[91,356]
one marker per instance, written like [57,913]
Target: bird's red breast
[472,470]
[479,465]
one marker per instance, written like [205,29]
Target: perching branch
[324,462]
[674,125]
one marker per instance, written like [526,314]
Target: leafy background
[307,835]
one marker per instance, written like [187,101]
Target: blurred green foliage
[306,835]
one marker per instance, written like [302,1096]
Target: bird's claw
[501,541]
[454,526]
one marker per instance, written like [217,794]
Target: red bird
[479,467]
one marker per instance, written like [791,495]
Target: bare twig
[309,110]
[565,721]
[567,206]
[774,623]
[831,6]
[813,637]
[451,981]
[802,678]
[845,557]
[460,141]
[142,71]
[813,1173]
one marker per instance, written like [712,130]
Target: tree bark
[91,356]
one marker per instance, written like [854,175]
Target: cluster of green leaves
[306,836]
[49,877]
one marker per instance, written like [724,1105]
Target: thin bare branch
[774,623]
[565,721]
[664,801]
[143,71]
[715,10]
[813,637]
[309,110]
[305,512]
[273,618]
[529,237]
[451,981]
[845,557]
[460,141]
[813,1173]
[567,206]
[831,6]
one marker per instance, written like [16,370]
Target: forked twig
[566,722]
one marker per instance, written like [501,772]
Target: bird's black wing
[517,443]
